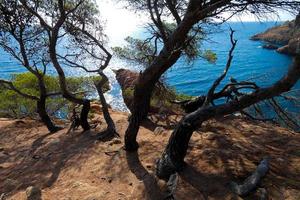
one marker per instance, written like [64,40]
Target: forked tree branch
[210,94]
[283,85]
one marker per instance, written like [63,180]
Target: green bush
[15,106]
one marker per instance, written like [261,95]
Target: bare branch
[211,91]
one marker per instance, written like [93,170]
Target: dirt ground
[76,166]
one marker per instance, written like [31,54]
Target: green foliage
[13,105]
[180,96]
[209,55]
[16,106]
[128,92]
[144,51]
[136,50]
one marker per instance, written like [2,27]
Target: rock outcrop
[270,46]
[161,98]
[286,35]
[291,48]
[126,79]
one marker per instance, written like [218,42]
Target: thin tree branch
[211,91]
[11,86]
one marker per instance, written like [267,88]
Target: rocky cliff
[285,36]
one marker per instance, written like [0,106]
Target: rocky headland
[284,38]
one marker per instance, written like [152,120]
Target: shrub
[15,106]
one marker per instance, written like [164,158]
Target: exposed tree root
[108,135]
[172,186]
[251,183]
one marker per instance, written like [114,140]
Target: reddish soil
[76,166]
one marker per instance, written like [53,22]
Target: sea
[250,62]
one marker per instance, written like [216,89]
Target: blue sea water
[250,62]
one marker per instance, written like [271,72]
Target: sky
[121,23]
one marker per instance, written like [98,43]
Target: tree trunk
[41,106]
[167,57]
[111,129]
[140,108]
[41,109]
[251,182]
[84,114]
[172,159]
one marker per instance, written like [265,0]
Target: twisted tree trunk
[251,182]
[111,128]
[140,108]
[41,109]
[172,159]
[168,56]
[41,106]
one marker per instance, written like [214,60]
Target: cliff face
[287,36]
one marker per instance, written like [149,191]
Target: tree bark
[86,105]
[140,108]
[172,159]
[41,106]
[41,109]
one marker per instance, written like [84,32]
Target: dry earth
[76,166]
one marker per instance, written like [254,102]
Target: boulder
[33,193]
[284,49]
[126,79]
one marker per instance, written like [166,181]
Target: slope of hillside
[77,166]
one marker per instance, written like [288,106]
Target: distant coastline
[284,38]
